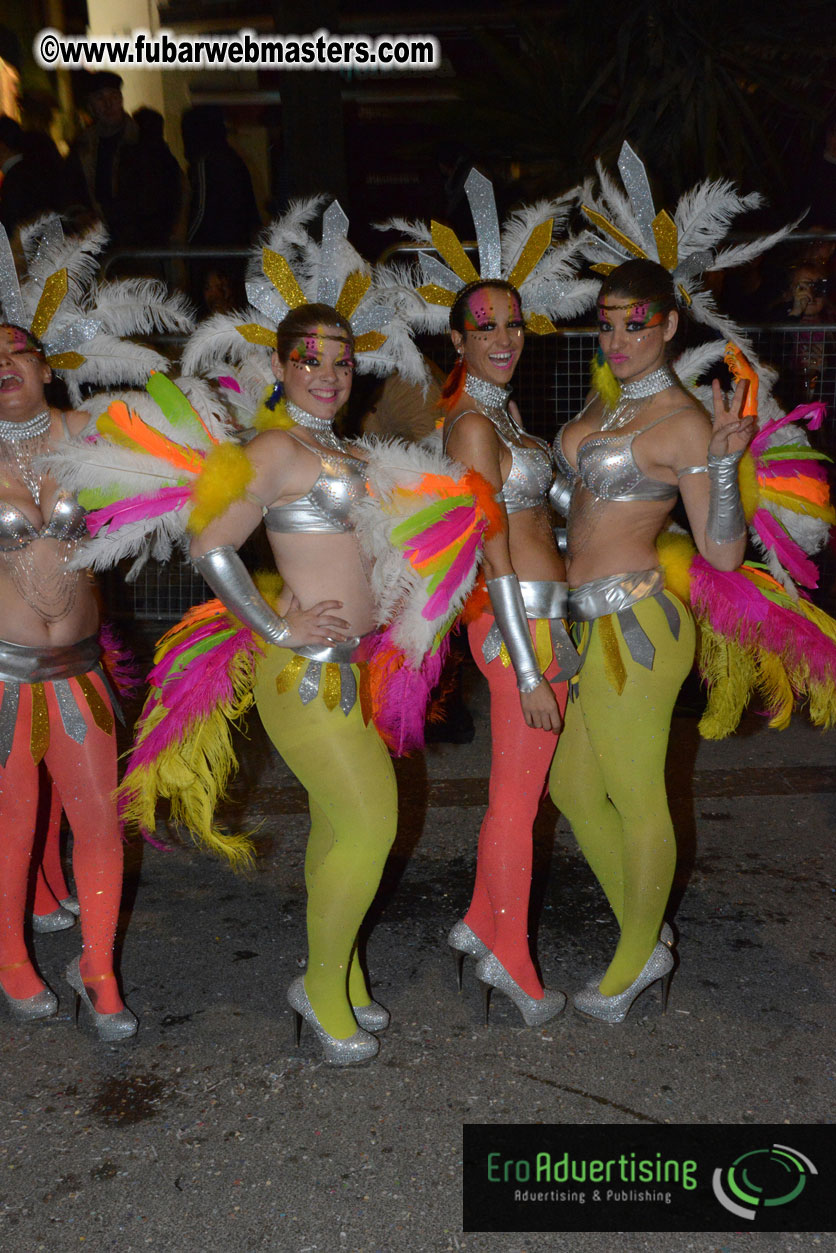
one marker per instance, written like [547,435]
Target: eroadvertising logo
[619,1177]
[762,1177]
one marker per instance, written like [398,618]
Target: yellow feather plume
[747,479]
[277,419]
[676,552]
[604,382]
[227,472]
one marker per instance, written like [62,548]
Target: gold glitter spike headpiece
[520,252]
[685,243]
[57,301]
[290,269]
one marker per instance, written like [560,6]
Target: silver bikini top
[607,466]
[532,469]
[66,523]
[326,508]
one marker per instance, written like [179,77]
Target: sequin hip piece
[56,665]
[546,602]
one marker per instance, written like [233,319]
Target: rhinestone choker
[658,381]
[16,432]
[321,428]
[491,395]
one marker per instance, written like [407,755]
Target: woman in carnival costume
[516,631]
[641,441]
[57,741]
[304,652]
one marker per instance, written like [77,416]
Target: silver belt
[48,664]
[613,593]
[342,653]
[544,599]
[616,594]
[45,663]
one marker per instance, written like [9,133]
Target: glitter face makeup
[493,334]
[632,335]
[23,373]
[319,370]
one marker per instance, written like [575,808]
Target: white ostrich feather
[131,306]
[399,592]
[78,254]
[704,214]
[739,254]
[519,224]
[690,366]
[288,233]
[109,361]
[216,340]
[414,230]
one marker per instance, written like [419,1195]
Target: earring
[275,396]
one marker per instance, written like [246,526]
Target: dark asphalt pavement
[212,1132]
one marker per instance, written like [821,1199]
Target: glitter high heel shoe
[71,904]
[613,1009]
[61,919]
[110,1028]
[372,1017]
[43,1004]
[492,974]
[360,1047]
[465,943]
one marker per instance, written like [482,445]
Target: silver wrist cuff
[228,578]
[726,522]
[560,494]
[509,612]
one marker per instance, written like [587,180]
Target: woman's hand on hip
[317,625]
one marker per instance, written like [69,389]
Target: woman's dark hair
[299,321]
[641,280]
[457,310]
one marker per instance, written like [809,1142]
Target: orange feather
[122,426]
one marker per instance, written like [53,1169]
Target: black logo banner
[616,1177]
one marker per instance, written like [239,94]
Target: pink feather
[736,608]
[438,604]
[137,509]
[792,557]
[403,694]
[807,467]
[812,414]
[442,533]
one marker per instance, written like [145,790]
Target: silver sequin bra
[326,508]
[65,523]
[532,470]
[608,469]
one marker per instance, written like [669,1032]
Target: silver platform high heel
[71,904]
[465,943]
[61,919]
[43,1004]
[357,1048]
[492,974]
[109,1028]
[372,1017]
[657,969]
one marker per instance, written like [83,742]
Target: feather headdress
[519,252]
[686,244]
[82,323]
[289,269]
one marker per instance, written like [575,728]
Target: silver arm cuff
[228,578]
[509,612]
[726,522]
[560,493]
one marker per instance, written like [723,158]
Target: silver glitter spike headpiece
[82,323]
[686,244]
[289,269]
[519,252]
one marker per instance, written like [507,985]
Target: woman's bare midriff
[534,554]
[325,567]
[612,537]
[20,623]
